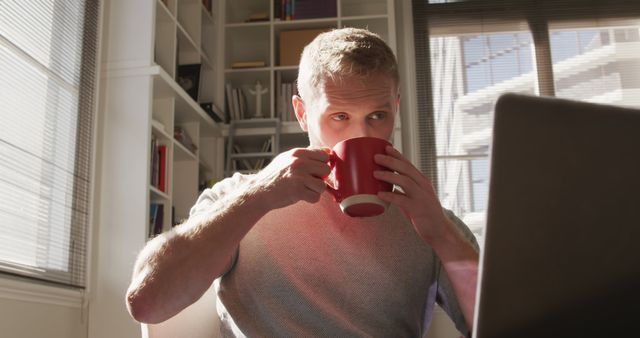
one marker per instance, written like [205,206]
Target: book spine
[157,228]
[293,9]
[282,9]
[288,10]
[162,172]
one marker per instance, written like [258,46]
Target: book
[248,64]
[236,104]
[229,92]
[266,147]
[162,167]
[278,110]
[156,218]
[154,162]
[242,103]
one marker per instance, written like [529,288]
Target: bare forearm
[460,261]
[176,268]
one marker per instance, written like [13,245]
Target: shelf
[208,16]
[160,133]
[286,128]
[285,68]
[260,41]
[365,17]
[247,70]
[205,166]
[163,13]
[181,153]
[187,110]
[156,194]
[247,24]
[252,155]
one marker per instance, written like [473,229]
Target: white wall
[23,319]
[28,309]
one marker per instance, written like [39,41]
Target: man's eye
[339,117]
[378,115]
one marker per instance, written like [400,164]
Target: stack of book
[284,107]
[236,103]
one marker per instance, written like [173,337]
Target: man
[291,263]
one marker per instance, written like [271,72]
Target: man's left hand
[417,199]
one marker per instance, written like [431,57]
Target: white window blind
[47,62]
[468,53]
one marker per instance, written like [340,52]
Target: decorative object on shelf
[248,64]
[189,79]
[181,136]
[293,42]
[258,92]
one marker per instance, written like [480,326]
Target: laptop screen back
[561,255]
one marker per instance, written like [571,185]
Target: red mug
[353,165]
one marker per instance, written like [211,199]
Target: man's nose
[361,129]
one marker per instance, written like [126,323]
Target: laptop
[561,255]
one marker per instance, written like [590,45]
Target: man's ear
[301,113]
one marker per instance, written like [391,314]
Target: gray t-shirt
[309,270]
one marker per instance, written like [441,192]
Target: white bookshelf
[168,35]
[259,41]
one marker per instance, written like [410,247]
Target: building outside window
[472,64]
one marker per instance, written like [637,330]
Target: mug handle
[332,164]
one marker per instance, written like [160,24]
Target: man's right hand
[292,176]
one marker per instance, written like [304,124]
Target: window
[597,61]
[47,62]
[468,53]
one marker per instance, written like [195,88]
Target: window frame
[536,13]
[50,286]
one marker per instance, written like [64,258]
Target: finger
[312,154]
[305,168]
[404,182]
[310,196]
[398,199]
[395,161]
[315,185]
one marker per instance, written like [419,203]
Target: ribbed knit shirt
[308,270]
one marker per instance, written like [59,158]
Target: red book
[162,170]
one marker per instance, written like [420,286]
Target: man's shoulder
[219,190]
[462,226]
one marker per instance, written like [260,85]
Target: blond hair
[344,53]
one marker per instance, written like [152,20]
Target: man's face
[350,108]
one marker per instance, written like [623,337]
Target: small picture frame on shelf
[189,79]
